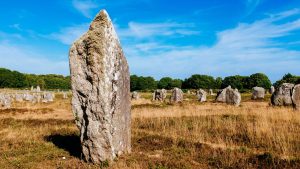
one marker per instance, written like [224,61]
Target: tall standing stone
[135,95]
[159,95]
[283,95]
[101,92]
[177,95]
[229,96]
[201,94]
[272,90]
[296,97]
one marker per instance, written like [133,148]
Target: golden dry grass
[186,135]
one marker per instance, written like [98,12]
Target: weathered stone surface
[176,96]
[201,95]
[233,97]
[28,97]
[5,100]
[47,97]
[283,95]
[221,96]
[135,95]
[38,89]
[258,93]
[65,95]
[101,92]
[159,95]
[229,96]
[272,90]
[296,97]
[19,97]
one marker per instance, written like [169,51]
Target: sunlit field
[164,136]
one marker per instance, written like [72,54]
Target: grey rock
[47,97]
[272,90]
[229,96]
[135,95]
[65,95]
[258,93]
[296,97]
[176,96]
[101,92]
[283,95]
[38,89]
[159,95]
[28,97]
[221,96]
[19,97]
[201,94]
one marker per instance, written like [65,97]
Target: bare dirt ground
[186,135]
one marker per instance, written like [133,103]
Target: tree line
[15,79]
[243,83]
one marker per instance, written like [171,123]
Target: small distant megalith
[65,95]
[272,90]
[100,83]
[135,95]
[283,95]
[47,97]
[38,89]
[201,94]
[229,96]
[159,94]
[176,96]
[258,93]
[296,97]
[221,95]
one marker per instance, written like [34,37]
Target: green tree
[288,78]
[259,80]
[237,81]
[199,81]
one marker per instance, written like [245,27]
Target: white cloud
[246,49]
[251,6]
[85,7]
[69,34]
[146,30]
[25,59]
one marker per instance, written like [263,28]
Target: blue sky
[160,37]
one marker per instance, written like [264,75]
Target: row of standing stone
[6,99]
[287,94]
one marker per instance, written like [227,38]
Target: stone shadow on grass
[70,143]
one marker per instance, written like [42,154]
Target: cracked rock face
[258,93]
[101,92]
[283,95]
[229,96]
[201,95]
[177,95]
[159,95]
[296,97]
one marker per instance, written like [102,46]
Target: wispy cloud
[247,48]
[146,30]
[68,35]
[251,6]
[28,60]
[85,7]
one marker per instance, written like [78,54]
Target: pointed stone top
[101,19]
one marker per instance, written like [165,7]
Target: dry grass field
[164,136]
